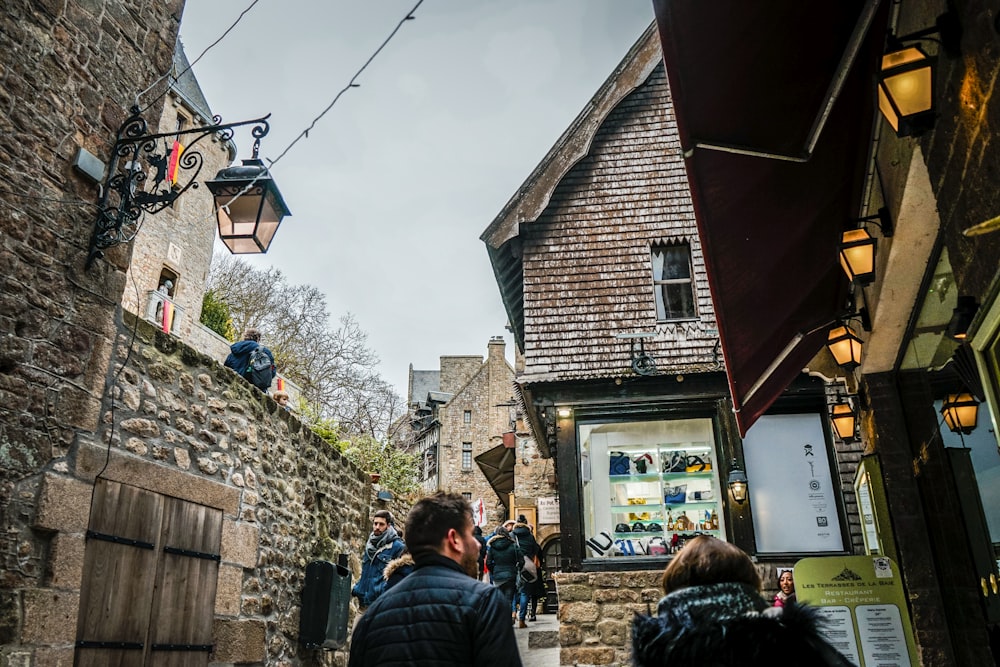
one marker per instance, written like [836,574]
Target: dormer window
[673,285]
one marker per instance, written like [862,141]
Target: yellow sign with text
[864,604]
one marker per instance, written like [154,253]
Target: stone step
[543,638]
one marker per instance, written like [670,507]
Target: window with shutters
[150,574]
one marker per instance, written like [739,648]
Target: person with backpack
[252,360]
[528,576]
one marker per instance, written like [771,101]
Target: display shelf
[699,505]
[644,533]
[637,509]
[647,481]
[635,477]
[708,474]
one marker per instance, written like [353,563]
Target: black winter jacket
[503,558]
[730,625]
[438,616]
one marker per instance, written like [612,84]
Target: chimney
[497,348]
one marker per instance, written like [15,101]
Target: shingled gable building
[459,415]
[603,276]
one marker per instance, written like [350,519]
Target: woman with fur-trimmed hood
[713,614]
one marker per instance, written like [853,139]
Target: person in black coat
[478,533]
[503,558]
[526,590]
[713,614]
[439,614]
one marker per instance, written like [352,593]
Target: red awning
[775,179]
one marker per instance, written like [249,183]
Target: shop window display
[649,485]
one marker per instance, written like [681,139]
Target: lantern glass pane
[902,57]
[843,421]
[911,91]
[857,254]
[844,346]
[885,106]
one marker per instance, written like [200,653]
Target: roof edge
[533,196]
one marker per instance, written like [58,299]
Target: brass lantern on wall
[960,412]
[844,421]
[845,346]
[906,90]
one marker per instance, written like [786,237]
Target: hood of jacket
[393,565]
[500,543]
[730,624]
[243,346]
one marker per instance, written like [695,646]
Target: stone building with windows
[151,502]
[470,434]
[172,254]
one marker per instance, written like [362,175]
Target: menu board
[863,601]
[792,494]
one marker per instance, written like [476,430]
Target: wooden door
[150,574]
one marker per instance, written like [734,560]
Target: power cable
[177,76]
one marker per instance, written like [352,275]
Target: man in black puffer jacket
[439,615]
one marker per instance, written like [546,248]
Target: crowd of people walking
[442,593]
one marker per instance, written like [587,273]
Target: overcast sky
[394,185]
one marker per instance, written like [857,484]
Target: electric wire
[176,77]
[305,133]
[352,83]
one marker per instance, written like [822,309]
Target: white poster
[548,510]
[792,495]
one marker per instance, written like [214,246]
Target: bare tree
[333,365]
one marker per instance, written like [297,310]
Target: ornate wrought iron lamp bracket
[140,178]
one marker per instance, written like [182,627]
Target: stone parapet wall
[596,611]
[183,426]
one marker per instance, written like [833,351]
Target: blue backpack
[260,370]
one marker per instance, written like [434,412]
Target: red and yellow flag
[168,315]
[175,158]
[281,384]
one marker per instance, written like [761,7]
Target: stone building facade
[461,412]
[621,361]
[161,421]
[177,243]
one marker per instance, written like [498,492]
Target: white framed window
[467,417]
[673,282]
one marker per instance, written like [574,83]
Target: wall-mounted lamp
[248,203]
[961,318]
[844,421]
[960,412]
[564,413]
[857,248]
[642,363]
[845,346]
[906,88]
[737,483]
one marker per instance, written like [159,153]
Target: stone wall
[69,71]
[184,426]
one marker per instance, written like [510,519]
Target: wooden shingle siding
[587,270]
